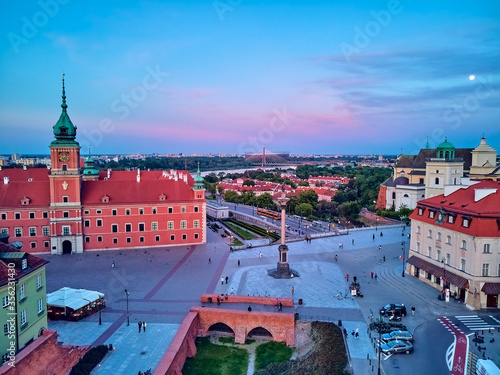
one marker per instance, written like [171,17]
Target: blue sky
[233,76]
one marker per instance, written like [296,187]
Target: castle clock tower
[65,183]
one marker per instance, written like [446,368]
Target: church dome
[401,181]
[445,150]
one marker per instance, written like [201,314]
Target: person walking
[113,264]
[336,257]
[353,241]
[222,280]
[413,310]
[249,308]
[347,277]
[140,325]
[227,278]
[260,254]
[209,260]
[232,291]
[379,247]
[345,334]
[357,333]
[292,290]
[383,258]
[372,275]
[238,262]
[144,326]
[376,277]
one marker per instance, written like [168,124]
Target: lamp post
[376,225]
[100,322]
[403,248]
[128,318]
[444,277]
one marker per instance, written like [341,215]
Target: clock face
[64,156]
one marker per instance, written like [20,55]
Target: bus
[267,213]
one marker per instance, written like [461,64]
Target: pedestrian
[384,258]
[340,245]
[222,280]
[140,325]
[372,275]
[352,333]
[381,234]
[218,300]
[209,260]
[353,241]
[281,306]
[413,310]
[260,254]
[144,326]
[373,236]
[113,264]
[379,247]
[227,278]
[232,291]
[292,290]
[376,277]
[336,257]
[357,334]
[347,277]
[238,262]
[249,308]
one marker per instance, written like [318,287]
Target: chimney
[138,175]
[25,167]
[5,180]
[109,173]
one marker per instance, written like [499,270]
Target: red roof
[32,183]
[483,215]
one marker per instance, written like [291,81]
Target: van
[317,223]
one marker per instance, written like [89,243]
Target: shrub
[90,360]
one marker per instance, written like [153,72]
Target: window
[418,247]
[98,212]
[420,212]
[464,244]
[438,255]
[127,211]
[128,227]
[141,239]
[170,210]
[183,224]
[40,305]
[196,236]
[157,238]
[141,227]
[439,236]
[4,216]
[17,215]
[87,239]
[65,199]
[183,209]
[431,214]
[451,219]
[448,240]
[465,223]
[86,223]
[24,317]
[22,291]
[114,212]
[99,222]
[196,209]
[65,167]
[46,244]
[429,252]
[19,232]
[170,225]
[141,211]
[32,215]
[66,231]
[430,233]
[4,230]
[114,228]
[39,283]
[24,264]
[462,264]
[196,224]
[486,248]
[448,259]
[33,245]
[66,214]
[418,230]
[32,231]
[45,215]
[184,236]
[5,301]
[486,269]
[393,195]
[154,210]
[129,239]
[99,238]
[115,240]
[86,212]
[154,225]
[172,237]
[436,181]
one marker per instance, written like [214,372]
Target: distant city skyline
[233,76]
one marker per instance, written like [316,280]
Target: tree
[304,209]
[309,196]
[220,189]
[249,183]
[247,197]
[266,201]
[304,183]
[211,178]
[231,196]
[349,210]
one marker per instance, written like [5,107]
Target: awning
[73,298]
[491,288]
[438,271]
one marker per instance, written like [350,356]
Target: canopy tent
[74,303]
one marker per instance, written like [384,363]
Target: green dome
[64,130]
[198,180]
[446,144]
[445,150]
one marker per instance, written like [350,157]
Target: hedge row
[256,229]
[90,360]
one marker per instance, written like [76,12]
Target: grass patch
[216,360]
[236,242]
[254,228]
[226,340]
[242,232]
[271,352]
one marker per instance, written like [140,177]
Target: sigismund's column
[283,266]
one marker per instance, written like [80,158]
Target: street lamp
[128,318]
[444,276]
[376,225]
[403,248]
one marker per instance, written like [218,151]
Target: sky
[234,76]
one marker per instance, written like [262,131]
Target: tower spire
[63,105]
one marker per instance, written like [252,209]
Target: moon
[472,77]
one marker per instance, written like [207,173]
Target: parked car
[397,335]
[397,346]
[393,309]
